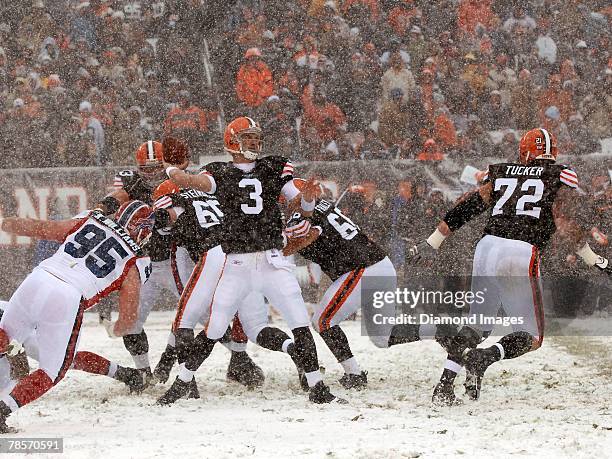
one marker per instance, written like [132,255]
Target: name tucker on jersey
[524,170]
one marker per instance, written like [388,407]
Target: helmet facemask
[250,143]
[152,172]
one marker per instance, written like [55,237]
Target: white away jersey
[96,257]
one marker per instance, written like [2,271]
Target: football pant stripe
[212,300]
[534,274]
[340,298]
[72,342]
[187,291]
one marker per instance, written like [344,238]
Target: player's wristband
[436,239]
[308,206]
[170,169]
[590,257]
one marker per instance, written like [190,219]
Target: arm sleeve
[211,177]
[568,177]
[464,211]
[290,191]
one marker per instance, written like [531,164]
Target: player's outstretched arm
[111,202]
[182,179]
[129,295]
[469,206]
[49,230]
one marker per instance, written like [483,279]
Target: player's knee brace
[137,344]
[518,343]
[272,338]
[306,350]
[337,342]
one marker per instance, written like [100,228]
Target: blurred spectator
[188,123]
[475,14]
[254,83]
[372,147]
[495,114]
[323,120]
[523,101]
[93,132]
[394,121]
[554,124]
[554,95]
[278,127]
[397,77]
[547,48]
[430,152]
[582,141]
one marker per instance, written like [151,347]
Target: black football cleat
[320,394]
[243,370]
[472,385]
[476,362]
[444,395]
[131,378]
[194,393]
[5,412]
[352,381]
[165,364]
[178,390]
[148,379]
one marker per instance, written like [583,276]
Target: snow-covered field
[554,402]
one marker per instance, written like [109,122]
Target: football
[175,151]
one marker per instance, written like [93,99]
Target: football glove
[421,254]
[603,264]
[297,226]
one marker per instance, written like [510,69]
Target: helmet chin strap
[248,154]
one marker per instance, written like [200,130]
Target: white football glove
[14,348]
[603,264]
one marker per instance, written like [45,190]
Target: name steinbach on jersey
[198,225]
[523,198]
[159,246]
[249,201]
[341,247]
[96,256]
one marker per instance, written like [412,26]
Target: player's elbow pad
[110,204]
[162,218]
[463,212]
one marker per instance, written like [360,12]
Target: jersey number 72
[532,191]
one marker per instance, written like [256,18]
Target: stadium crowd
[83,82]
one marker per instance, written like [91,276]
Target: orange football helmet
[243,136]
[134,217]
[150,161]
[165,188]
[537,144]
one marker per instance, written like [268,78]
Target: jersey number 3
[510,185]
[255,204]
[91,237]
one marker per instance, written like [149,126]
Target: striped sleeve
[287,171]
[485,176]
[569,178]
[163,203]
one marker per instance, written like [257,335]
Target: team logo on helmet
[537,144]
